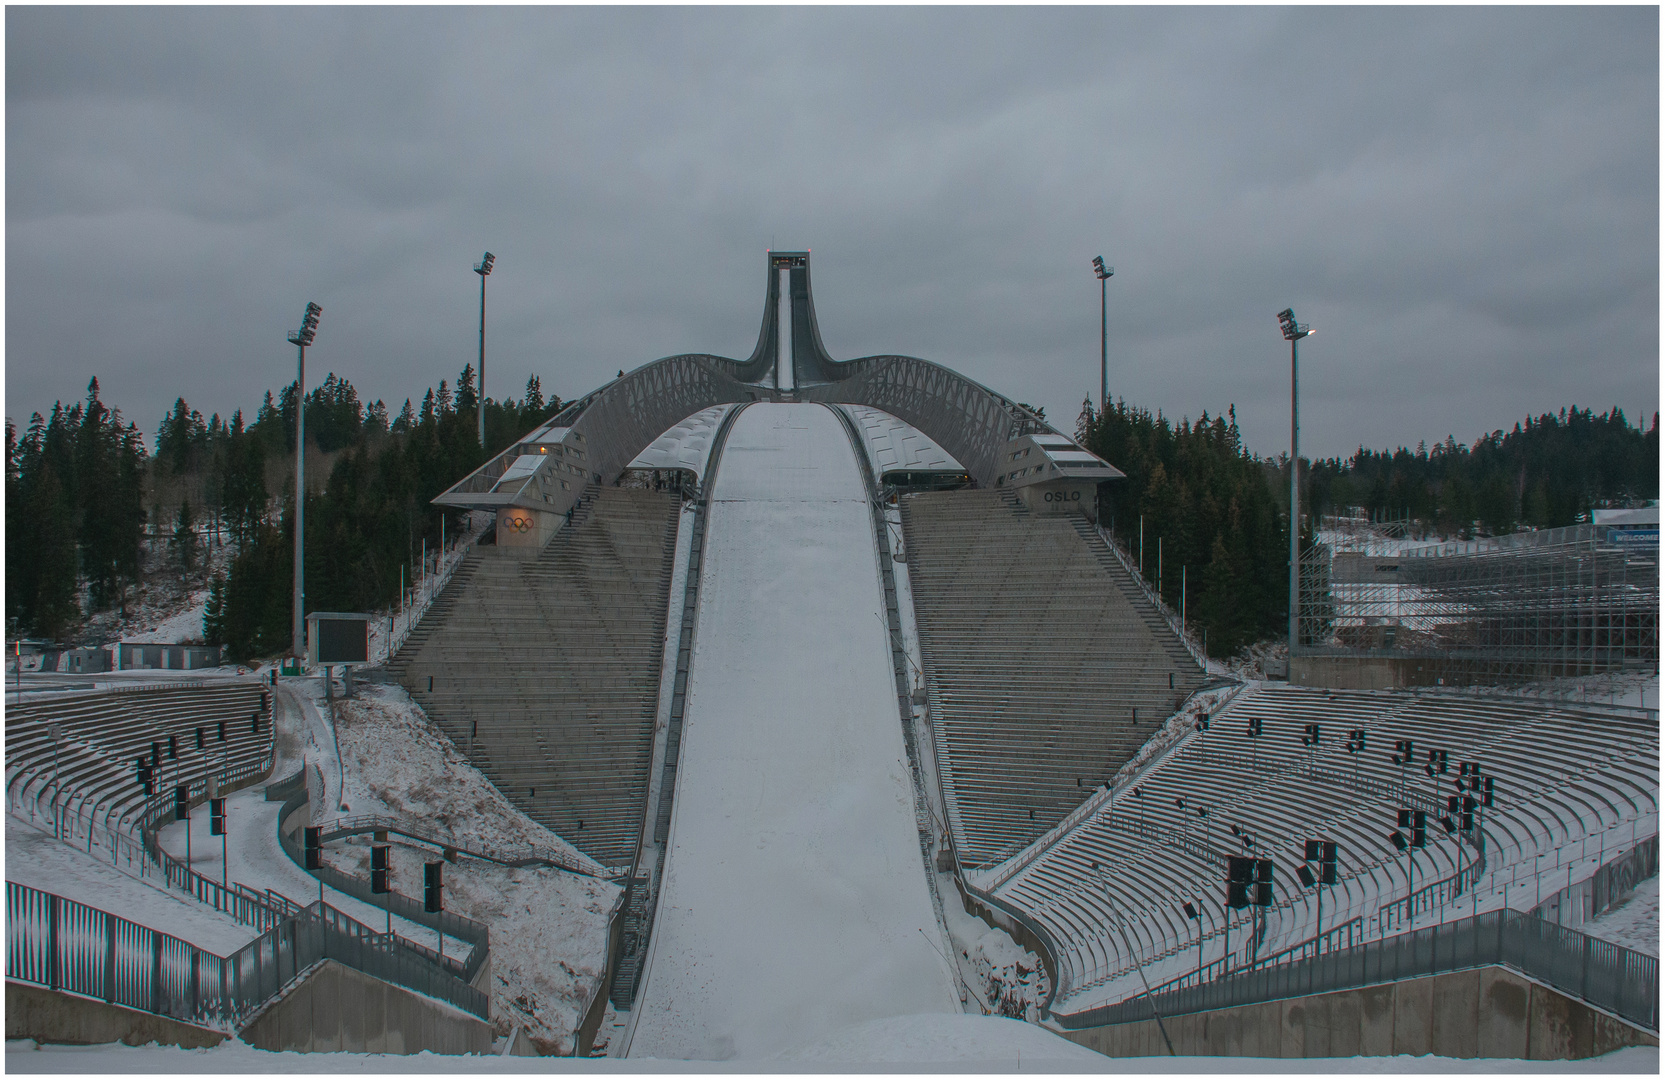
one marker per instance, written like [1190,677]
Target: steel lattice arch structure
[595,438]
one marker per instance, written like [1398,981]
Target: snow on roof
[1048,440]
[1647,515]
[522,467]
[549,433]
[686,445]
[894,444]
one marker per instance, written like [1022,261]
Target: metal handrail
[432,585]
[1353,930]
[63,944]
[476,934]
[525,856]
[1153,596]
[1608,976]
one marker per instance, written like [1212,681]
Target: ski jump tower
[532,484]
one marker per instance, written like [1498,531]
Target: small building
[143,655]
[1052,475]
[1634,528]
[85,661]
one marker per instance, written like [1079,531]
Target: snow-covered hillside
[548,926]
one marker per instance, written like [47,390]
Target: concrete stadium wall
[336,1008]
[1370,672]
[1488,1012]
[52,1016]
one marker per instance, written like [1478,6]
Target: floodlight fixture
[1101,270]
[309,326]
[1292,330]
[483,267]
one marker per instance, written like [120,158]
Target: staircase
[436,614]
[1154,620]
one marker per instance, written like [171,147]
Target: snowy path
[39,860]
[257,860]
[795,901]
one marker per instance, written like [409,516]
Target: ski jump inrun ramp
[794,902]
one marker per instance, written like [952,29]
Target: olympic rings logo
[519,524]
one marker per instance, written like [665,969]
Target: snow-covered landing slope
[795,901]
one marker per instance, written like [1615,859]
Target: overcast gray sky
[1463,202]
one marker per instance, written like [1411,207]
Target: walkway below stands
[794,902]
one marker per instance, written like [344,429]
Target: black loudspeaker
[216,817]
[378,869]
[314,847]
[433,887]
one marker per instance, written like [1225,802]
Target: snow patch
[989,1042]
[1633,922]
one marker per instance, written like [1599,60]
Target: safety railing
[1168,614]
[1432,897]
[477,935]
[516,856]
[428,587]
[1345,936]
[1608,976]
[63,944]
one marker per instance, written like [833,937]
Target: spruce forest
[86,500]
[1219,514]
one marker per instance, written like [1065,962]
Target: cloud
[1464,202]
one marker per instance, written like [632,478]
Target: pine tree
[185,538]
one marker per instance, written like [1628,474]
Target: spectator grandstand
[1046,668]
[1574,786]
[546,670]
[73,758]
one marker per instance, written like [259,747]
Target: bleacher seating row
[1572,785]
[89,777]
[546,671]
[1045,668]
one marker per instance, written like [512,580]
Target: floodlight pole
[1137,964]
[483,268]
[1104,274]
[297,624]
[1292,333]
[301,339]
[1294,502]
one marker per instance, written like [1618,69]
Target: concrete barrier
[333,1007]
[1488,1012]
[52,1016]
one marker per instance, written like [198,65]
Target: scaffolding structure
[1502,611]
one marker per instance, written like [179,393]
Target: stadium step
[1047,668]
[545,671]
